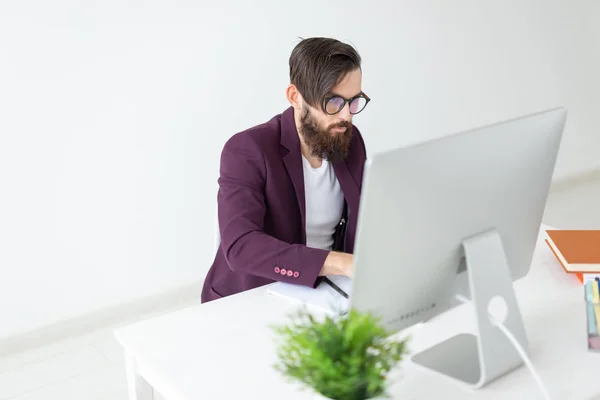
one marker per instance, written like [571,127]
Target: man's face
[329,136]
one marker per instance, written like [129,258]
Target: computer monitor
[456,215]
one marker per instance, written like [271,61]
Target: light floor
[91,367]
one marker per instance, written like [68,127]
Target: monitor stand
[478,359]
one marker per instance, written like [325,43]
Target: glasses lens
[357,105]
[334,105]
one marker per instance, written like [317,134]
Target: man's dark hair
[317,65]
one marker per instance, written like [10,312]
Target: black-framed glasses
[334,104]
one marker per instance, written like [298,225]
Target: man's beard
[322,142]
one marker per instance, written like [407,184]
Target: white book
[324,297]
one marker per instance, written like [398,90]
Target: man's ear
[293,96]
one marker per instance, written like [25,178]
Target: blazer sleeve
[241,212]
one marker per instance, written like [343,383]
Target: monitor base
[477,359]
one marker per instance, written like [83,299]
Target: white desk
[224,349]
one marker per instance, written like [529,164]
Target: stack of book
[578,251]
[592,299]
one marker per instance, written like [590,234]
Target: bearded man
[289,189]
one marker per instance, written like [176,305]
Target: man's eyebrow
[337,94]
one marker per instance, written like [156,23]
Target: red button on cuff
[290,272]
[276,270]
[296,274]
[283,271]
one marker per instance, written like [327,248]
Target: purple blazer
[261,209]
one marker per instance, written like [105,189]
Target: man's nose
[344,113]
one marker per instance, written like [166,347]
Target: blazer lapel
[292,159]
[348,185]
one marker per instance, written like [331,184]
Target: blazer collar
[292,159]
[289,133]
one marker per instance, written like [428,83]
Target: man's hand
[338,264]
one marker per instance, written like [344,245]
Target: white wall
[112,117]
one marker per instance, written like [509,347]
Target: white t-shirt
[324,204]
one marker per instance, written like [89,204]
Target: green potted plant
[342,358]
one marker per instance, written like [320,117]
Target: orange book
[578,251]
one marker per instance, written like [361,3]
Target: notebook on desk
[324,297]
[578,251]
